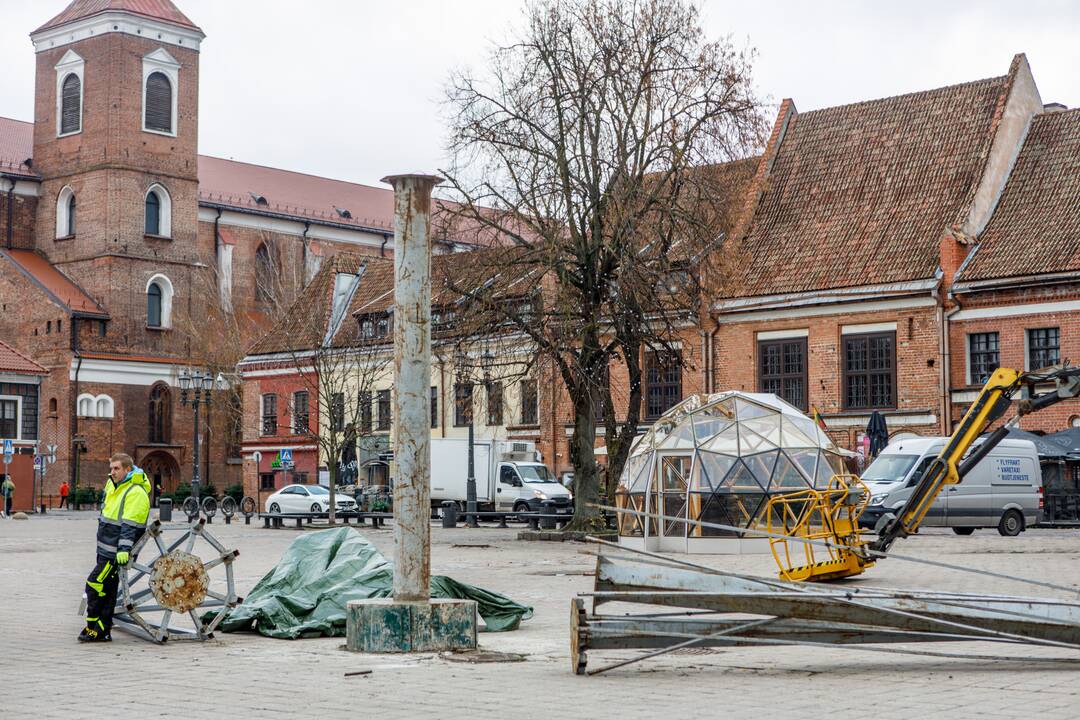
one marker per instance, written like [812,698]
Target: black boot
[91,635]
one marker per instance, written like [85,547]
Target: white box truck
[508,476]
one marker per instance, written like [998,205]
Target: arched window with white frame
[161,76]
[159,298]
[86,405]
[69,94]
[158,211]
[103,406]
[65,213]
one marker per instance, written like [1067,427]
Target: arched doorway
[163,472]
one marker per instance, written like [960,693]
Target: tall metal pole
[470,482]
[195,460]
[412,377]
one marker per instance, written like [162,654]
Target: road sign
[9,450]
[39,462]
[285,455]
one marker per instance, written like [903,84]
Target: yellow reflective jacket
[123,514]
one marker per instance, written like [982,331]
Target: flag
[817,417]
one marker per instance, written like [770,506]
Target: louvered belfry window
[71,105]
[158,103]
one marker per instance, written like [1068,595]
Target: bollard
[534,522]
[165,510]
[449,514]
[547,510]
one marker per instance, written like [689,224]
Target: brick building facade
[126,256]
[874,242]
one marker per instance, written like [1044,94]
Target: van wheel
[521,507]
[1012,523]
[963,531]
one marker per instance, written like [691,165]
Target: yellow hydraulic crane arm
[947,469]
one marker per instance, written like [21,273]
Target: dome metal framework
[717,458]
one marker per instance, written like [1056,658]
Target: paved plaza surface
[44,673]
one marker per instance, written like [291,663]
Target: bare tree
[342,380]
[584,150]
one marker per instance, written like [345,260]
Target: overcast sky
[350,89]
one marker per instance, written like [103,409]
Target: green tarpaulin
[306,593]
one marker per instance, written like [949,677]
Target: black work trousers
[101,587]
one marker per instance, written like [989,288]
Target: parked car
[1003,491]
[306,498]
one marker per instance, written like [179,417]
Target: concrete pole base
[385,625]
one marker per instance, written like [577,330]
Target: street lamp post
[463,368]
[200,385]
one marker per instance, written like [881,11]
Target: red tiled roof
[16,146]
[1035,228]
[864,191]
[162,10]
[61,288]
[238,184]
[306,321]
[13,361]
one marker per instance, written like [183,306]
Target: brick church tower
[115,144]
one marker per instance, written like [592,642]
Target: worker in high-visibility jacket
[122,522]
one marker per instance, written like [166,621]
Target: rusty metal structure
[170,577]
[691,605]
[412,378]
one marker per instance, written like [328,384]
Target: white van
[1004,490]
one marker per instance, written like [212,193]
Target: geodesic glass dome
[717,458]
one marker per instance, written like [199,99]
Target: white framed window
[159,297]
[157,211]
[87,405]
[69,94]
[11,417]
[94,406]
[160,87]
[65,213]
[103,406]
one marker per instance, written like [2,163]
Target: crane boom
[947,469]
[849,553]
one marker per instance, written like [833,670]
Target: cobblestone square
[46,674]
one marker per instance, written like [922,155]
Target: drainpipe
[73,470]
[217,237]
[303,259]
[712,353]
[946,374]
[10,212]
[382,248]
[704,361]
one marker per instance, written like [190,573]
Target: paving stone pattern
[44,673]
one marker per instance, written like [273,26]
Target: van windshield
[535,473]
[889,468]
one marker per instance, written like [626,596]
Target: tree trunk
[583,458]
[619,440]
